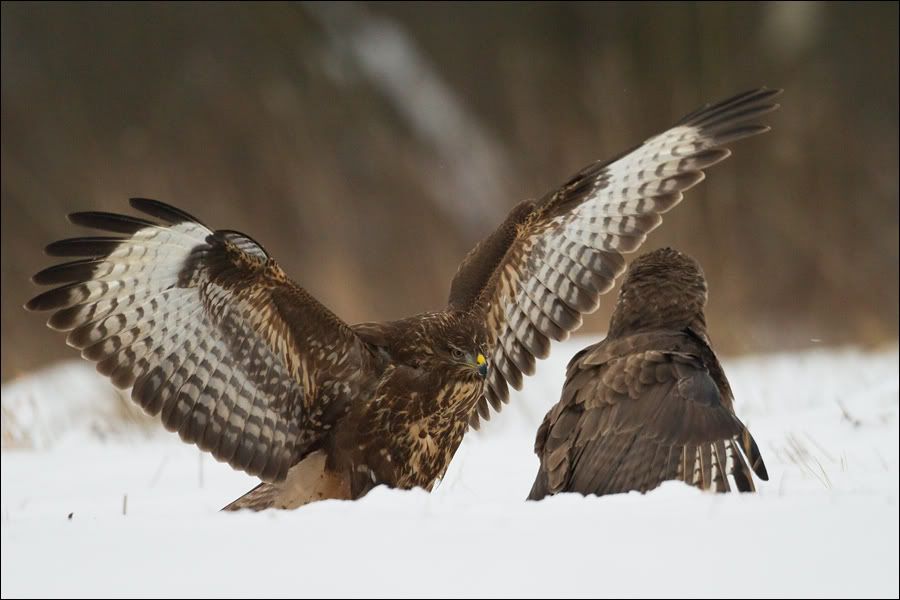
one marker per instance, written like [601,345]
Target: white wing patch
[604,211]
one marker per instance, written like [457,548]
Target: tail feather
[306,482]
[751,451]
[743,478]
[644,465]
[259,498]
[689,467]
[721,455]
[706,467]
[672,469]
[626,462]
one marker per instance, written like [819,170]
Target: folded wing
[636,420]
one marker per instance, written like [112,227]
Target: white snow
[826,524]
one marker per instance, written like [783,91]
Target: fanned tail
[708,466]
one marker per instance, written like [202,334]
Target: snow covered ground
[92,505]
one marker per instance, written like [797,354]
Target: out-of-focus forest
[368,146]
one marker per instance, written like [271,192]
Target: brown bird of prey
[649,403]
[214,337]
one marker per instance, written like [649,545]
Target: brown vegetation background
[368,146]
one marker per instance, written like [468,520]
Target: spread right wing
[548,264]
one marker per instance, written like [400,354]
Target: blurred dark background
[368,146]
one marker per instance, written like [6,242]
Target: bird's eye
[456,353]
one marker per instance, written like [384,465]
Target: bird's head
[465,354]
[663,289]
[450,341]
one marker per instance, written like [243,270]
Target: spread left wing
[547,265]
[208,331]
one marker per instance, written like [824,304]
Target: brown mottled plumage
[650,402]
[212,335]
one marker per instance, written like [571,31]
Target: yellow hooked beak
[481,361]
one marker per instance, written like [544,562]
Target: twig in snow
[850,418]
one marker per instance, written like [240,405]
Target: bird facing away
[649,403]
[212,336]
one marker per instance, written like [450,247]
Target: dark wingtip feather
[739,133]
[733,103]
[707,158]
[683,181]
[77,270]
[48,300]
[484,410]
[767,93]
[474,421]
[727,121]
[737,116]
[65,319]
[64,296]
[83,246]
[492,398]
[161,210]
[110,222]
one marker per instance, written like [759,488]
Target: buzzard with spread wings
[649,403]
[211,334]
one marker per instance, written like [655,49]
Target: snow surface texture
[826,524]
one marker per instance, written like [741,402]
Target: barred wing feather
[548,264]
[206,329]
